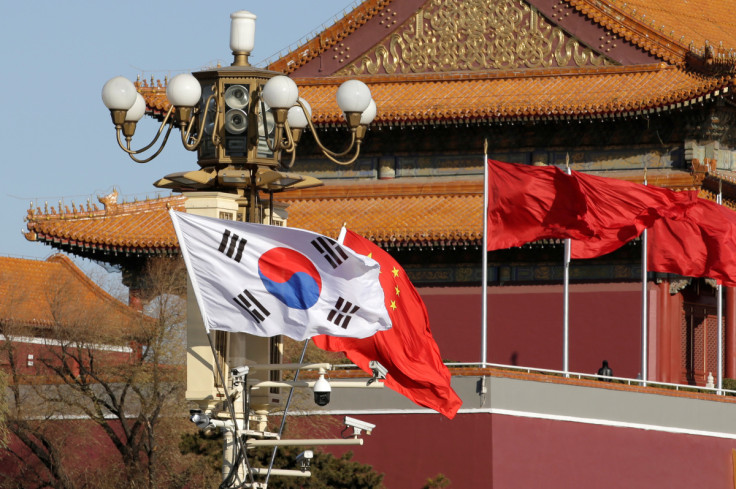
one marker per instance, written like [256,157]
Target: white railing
[577,375]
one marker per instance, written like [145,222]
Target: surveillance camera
[322,391]
[197,417]
[303,459]
[379,371]
[240,371]
[359,425]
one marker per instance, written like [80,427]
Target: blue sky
[57,139]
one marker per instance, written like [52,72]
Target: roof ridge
[93,212]
[91,285]
[328,37]
[488,75]
[620,18]
[636,31]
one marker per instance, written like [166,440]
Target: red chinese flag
[619,211]
[527,203]
[699,243]
[407,350]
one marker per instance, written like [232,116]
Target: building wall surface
[550,432]
[525,325]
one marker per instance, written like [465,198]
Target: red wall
[507,452]
[50,353]
[556,454]
[525,325]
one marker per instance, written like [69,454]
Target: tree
[119,371]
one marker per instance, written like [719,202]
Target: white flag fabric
[271,280]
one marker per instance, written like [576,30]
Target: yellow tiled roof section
[550,93]
[394,214]
[547,93]
[127,226]
[29,292]
[666,26]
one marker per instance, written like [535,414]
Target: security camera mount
[304,459]
[378,370]
[239,374]
[358,426]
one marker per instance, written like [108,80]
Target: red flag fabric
[618,211]
[527,203]
[700,243]
[407,350]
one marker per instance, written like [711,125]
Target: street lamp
[245,124]
[236,117]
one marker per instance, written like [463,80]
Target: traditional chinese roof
[36,294]
[432,62]
[420,213]
[117,229]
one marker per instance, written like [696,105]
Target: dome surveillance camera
[322,391]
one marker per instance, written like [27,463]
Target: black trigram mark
[342,313]
[232,244]
[251,305]
[330,250]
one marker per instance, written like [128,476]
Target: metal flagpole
[484,286]
[286,409]
[566,297]
[644,307]
[236,430]
[719,291]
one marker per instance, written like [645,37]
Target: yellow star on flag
[393,305]
[395,271]
[398,292]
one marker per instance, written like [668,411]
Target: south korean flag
[272,280]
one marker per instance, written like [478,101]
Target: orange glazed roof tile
[391,215]
[137,227]
[431,212]
[617,91]
[667,28]
[535,94]
[29,290]
[694,39]
[426,214]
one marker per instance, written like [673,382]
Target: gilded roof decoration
[481,61]
[446,35]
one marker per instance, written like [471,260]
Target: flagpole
[719,291]
[484,286]
[644,308]
[566,297]
[231,411]
[286,409]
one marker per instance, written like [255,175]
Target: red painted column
[730,336]
[134,298]
[677,315]
[664,343]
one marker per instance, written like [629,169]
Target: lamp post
[245,124]
[237,118]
